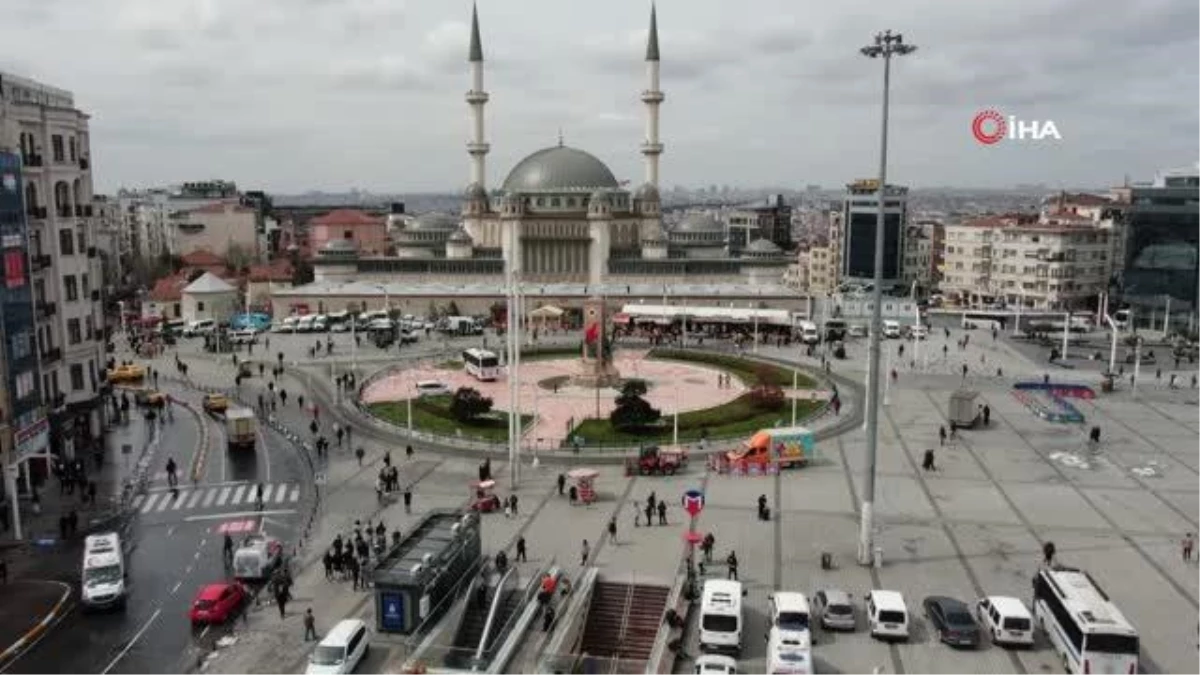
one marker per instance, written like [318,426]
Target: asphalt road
[175,548]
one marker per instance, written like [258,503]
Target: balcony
[85,163]
[52,355]
[37,212]
[46,309]
[33,161]
[91,252]
[41,261]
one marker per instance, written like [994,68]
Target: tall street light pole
[886,46]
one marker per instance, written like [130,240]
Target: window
[76,376]
[87,286]
[81,235]
[89,325]
[56,144]
[555,202]
[199,306]
[74,334]
[26,385]
[71,145]
[20,345]
[347,234]
[66,242]
[71,287]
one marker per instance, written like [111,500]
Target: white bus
[481,364]
[986,320]
[1085,627]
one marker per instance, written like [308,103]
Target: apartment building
[917,266]
[43,125]
[194,216]
[769,219]
[860,209]
[1042,263]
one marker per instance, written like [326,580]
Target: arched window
[62,197]
[555,202]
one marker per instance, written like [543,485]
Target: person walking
[583,553]
[637,514]
[258,497]
[408,498]
[521,553]
[359,453]
[513,502]
[562,483]
[172,479]
[408,451]
[1189,544]
[612,530]
[1048,553]
[227,550]
[310,625]
[987,414]
[731,562]
[927,463]
[662,513]
[327,562]
[942,435]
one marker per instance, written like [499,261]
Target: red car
[216,603]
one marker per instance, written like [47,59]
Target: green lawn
[744,369]
[450,365]
[736,418]
[432,415]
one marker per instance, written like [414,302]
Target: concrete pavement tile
[971,500]
[816,489]
[1139,511]
[899,497]
[1053,506]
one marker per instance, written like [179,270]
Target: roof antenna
[560,140]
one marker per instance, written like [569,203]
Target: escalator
[483,627]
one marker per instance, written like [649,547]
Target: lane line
[203,542]
[295,494]
[237,494]
[164,503]
[170,530]
[197,556]
[267,493]
[149,503]
[132,642]
[224,496]
[236,514]
[280,494]
[183,497]
[176,587]
[208,499]
[188,570]
[196,495]
[262,443]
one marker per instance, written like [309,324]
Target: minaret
[477,147]
[652,97]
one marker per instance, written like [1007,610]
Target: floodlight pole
[886,45]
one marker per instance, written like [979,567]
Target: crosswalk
[216,497]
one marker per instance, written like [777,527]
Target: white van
[431,388]
[721,616]
[305,323]
[341,649]
[809,334]
[887,615]
[320,323]
[1007,619]
[716,664]
[789,612]
[789,652]
[102,584]
[891,329]
[918,331]
[288,325]
[201,327]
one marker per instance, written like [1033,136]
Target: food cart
[584,483]
[964,411]
[483,496]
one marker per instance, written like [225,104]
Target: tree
[633,412]
[467,404]
[452,310]
[237,258]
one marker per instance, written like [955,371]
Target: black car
[953,621]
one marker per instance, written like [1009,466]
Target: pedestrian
[927,464]
[662,513]
[172,480]
[513,501]
[340,433]
[562,483]
[583,557]
[283,395]
[408,452]
[508,507]
[281,601]
[408,498]
[942,435]
[964,371]
[548,619]
[521,557]
[637,514]
[987,414]
[387,455]
[258,496]
[327,561]
[300,401]
[358,452]
[310,625]
[354,570]
[1189,543]
[261,367]
[612,530]
[731,562]
[707,545]
[1048,553]
[649,513]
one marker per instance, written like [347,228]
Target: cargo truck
[240,428]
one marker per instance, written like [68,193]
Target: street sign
[693,502]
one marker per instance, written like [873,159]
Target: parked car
[716,664]
[1007,619]
[834,609]
[408,337]
[244,336]
[217,603]
[952,620]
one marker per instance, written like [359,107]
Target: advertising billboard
[22,385]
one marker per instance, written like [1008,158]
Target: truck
[240,428]
[461,325]
[789,446]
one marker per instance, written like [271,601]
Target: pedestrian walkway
[202,497]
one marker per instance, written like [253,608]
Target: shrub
[767,397]
[468,404]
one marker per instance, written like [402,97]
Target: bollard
[878,557]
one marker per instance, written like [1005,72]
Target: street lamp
[886,46]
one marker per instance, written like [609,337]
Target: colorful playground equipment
[1048,400]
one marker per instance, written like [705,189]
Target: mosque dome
[559,168]
[475,191]
[699,222]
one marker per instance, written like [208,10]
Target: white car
[257,557]
[340,327]
[244,336]
[716,664]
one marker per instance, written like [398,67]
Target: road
[175,547]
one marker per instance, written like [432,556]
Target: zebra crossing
[215,497]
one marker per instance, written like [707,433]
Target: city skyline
[302,96]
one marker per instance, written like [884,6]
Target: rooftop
[346,217]
[433,537]
[401,290]
[209,283]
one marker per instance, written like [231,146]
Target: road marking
[218,516]
[188,570]
[197,556]
[132,642]
[203,542]
[176,588]
[267,493]
[205,631]
[137,501]
[183,495]
[208,499]
[164,503]
[237,494]
[224,497]
[280,494]
[262,443]
[149,503]
[170,530]
[295,494]
[195,498]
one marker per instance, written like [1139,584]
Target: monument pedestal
[596,369]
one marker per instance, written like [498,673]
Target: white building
[209,297]
[52,136]
[918,258]
[1045,264]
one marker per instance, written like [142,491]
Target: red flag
[592,334]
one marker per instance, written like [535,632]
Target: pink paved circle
[694,384]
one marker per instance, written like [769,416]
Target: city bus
[481,364]
[1084,626]
[986,320]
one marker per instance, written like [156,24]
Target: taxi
[215,403]
[127,373]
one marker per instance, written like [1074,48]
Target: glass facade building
[1162,257]
[860,210]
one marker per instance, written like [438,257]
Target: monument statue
[596,366]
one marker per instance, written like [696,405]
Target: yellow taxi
[127,373]
[215,403]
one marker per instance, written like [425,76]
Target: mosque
[560,216]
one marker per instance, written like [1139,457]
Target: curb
[34,634]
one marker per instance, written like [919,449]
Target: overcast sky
[290,95]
